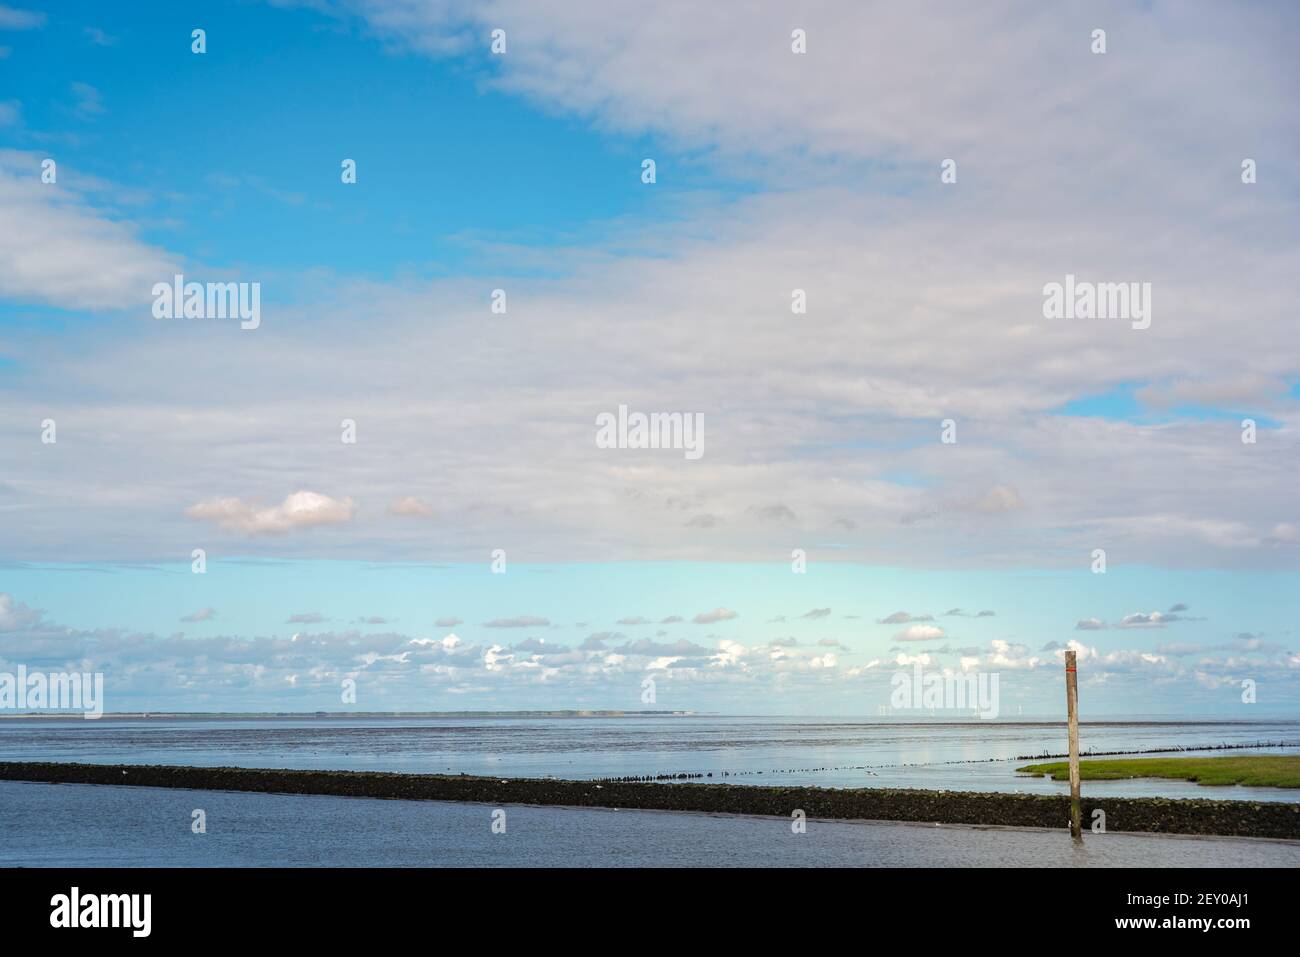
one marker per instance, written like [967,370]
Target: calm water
[75,824]
[828,752]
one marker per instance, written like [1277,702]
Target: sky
[919,467]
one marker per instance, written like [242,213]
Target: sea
[74,825]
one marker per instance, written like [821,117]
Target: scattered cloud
[89,101]
[1000,498]
[1144,620]
[12,18]
[64,247]
[1283,533]
[772,513]
[920,633]
[402,670]
[411,507]
[902,618]
[99,37]
[712,617]
[299,510]
[15,615]
[659,649]
[522,621]
[703,521]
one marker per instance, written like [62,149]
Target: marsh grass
[1258,770]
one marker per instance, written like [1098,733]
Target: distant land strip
[843,722]
[1265,819]
[871,768]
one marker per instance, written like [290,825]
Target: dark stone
[1157,815]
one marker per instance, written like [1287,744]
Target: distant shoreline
[1151,815]
[263,715]
[1028,721]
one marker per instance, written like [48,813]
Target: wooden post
[1072,700]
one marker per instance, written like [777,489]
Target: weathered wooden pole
[1072,700]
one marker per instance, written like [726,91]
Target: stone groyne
[1155,815]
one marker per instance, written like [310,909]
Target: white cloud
[402,670]
[300,510]
[61,247]
[867,86]
[496,658]
[907,661]
[1004,654]
[730,653]
[920,633]
[447,643]
[951,333]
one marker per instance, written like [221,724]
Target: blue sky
[228,150]
[260,597]
[1124,404]
[776,172]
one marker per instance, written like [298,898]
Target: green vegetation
[1259,770]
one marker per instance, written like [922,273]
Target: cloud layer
[924,304]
